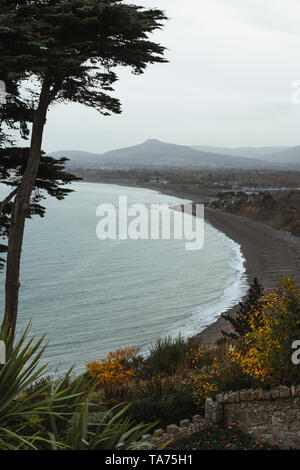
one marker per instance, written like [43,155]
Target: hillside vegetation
[280,210]
[108,406]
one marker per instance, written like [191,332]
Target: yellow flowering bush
[215,371]
[265,353]
[261,357]
[113,371]
[205,383]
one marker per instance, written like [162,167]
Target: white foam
[234,291]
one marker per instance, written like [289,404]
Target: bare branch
[7,199]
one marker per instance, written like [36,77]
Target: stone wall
[174,433]
[271,416]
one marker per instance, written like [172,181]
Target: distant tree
[266,353]
[242,321]
[62,51]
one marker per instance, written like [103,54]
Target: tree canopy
[51,179]
[73,46]
[241,322]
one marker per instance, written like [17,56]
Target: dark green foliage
[222,340]
[164,389]
[43,385]
[237,380]
[166,355]
[51,179]
[252,303]
[170,405]
[72,46]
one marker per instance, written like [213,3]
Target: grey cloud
[228,83]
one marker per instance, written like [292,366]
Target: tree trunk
[19,212]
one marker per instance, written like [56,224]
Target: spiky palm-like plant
[54,415]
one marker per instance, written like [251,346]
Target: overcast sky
[228,83]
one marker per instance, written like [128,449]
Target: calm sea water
[93,296]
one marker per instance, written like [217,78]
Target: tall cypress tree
[64,51]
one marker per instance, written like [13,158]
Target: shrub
[241,320]
[261,357]
[265,352]
[42,385]
[172,406]
[215,372]
[167,355]
[114,372]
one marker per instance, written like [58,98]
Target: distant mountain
[277,157]
[156,154]
[289,155]
[248,152]
[78,158]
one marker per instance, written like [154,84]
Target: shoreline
[210,333]
[268,253]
